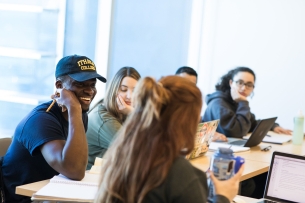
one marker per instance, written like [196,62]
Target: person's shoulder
[181,176]
[218,95]
[181,162]
[44,106]
[38,114]
[219,98]
[186,172]
[101,112]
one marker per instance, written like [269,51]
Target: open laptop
[204,135]
[286,179]
[273,137]
[258,134]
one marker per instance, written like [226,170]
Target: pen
[268,135]
[57,94]
[53,102]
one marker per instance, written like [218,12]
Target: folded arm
[234,123]
[69,157]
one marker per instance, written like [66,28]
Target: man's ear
[58,84]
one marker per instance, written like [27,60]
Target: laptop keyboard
[238,142]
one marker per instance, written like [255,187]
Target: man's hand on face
[66,99]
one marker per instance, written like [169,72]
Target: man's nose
[89,90]
[243,87]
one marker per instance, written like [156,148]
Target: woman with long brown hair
[146,162]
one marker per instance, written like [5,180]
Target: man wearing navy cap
[51,139]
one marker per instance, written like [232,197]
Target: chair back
[4,144]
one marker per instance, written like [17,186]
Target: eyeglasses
[241,83]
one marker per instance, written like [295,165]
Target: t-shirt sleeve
[40,128]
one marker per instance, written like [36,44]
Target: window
[151,36]
[28,49]
[35,35]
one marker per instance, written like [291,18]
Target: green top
[102,128]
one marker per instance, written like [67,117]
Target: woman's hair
[112,90]
[164,122]
[224,83]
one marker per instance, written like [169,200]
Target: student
[48,143]
[146,162]
[229,104]
[108,115]
[190,74]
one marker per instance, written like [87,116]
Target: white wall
[265,35]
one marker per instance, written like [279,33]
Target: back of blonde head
[163,123]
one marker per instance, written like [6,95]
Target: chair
[4,144]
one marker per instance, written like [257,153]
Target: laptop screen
[286,178]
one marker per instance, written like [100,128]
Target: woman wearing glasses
[229,104]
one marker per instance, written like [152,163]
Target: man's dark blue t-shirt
[23,162]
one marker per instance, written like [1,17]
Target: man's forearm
[75,152]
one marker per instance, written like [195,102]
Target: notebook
[61,188]
[204,135]
[215,145]
[258,134]
[286,179]
[97,167]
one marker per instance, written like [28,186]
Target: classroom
[152,40]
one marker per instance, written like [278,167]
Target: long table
[30,189]
[256,154]
[257,162]
[252,168]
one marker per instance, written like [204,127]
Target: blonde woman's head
[123,84]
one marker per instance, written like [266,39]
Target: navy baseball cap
[79,68]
